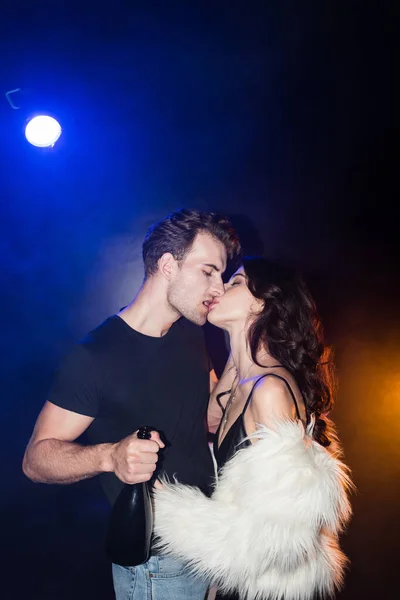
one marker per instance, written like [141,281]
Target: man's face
[198,280]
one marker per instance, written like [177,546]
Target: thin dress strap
[287,385]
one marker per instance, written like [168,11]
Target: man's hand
[53,456]
[134,460]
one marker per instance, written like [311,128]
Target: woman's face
[236,305]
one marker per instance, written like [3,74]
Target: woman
[270,529]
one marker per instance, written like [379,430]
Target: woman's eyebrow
[239,275]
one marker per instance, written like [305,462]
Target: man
[144,366]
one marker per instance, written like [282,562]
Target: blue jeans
[161,578]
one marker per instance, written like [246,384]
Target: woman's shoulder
[275,395]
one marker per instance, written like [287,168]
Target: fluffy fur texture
[270,529]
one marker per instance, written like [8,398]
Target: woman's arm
[214,413]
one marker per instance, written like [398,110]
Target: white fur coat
[270,529]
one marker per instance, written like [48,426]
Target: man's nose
[218,289]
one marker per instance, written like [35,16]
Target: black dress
[234,440]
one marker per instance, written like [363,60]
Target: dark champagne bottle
[131,522]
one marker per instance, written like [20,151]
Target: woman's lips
[213,303]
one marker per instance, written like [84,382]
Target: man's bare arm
[214,413]
[53,456]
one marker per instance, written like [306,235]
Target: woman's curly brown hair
[290,328]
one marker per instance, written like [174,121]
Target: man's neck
[149,312]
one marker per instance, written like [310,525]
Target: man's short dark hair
[176,234]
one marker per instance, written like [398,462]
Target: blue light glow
[43,131]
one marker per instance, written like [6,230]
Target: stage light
[42,131]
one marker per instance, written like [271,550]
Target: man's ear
[167,265]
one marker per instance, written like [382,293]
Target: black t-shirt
[125,379]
